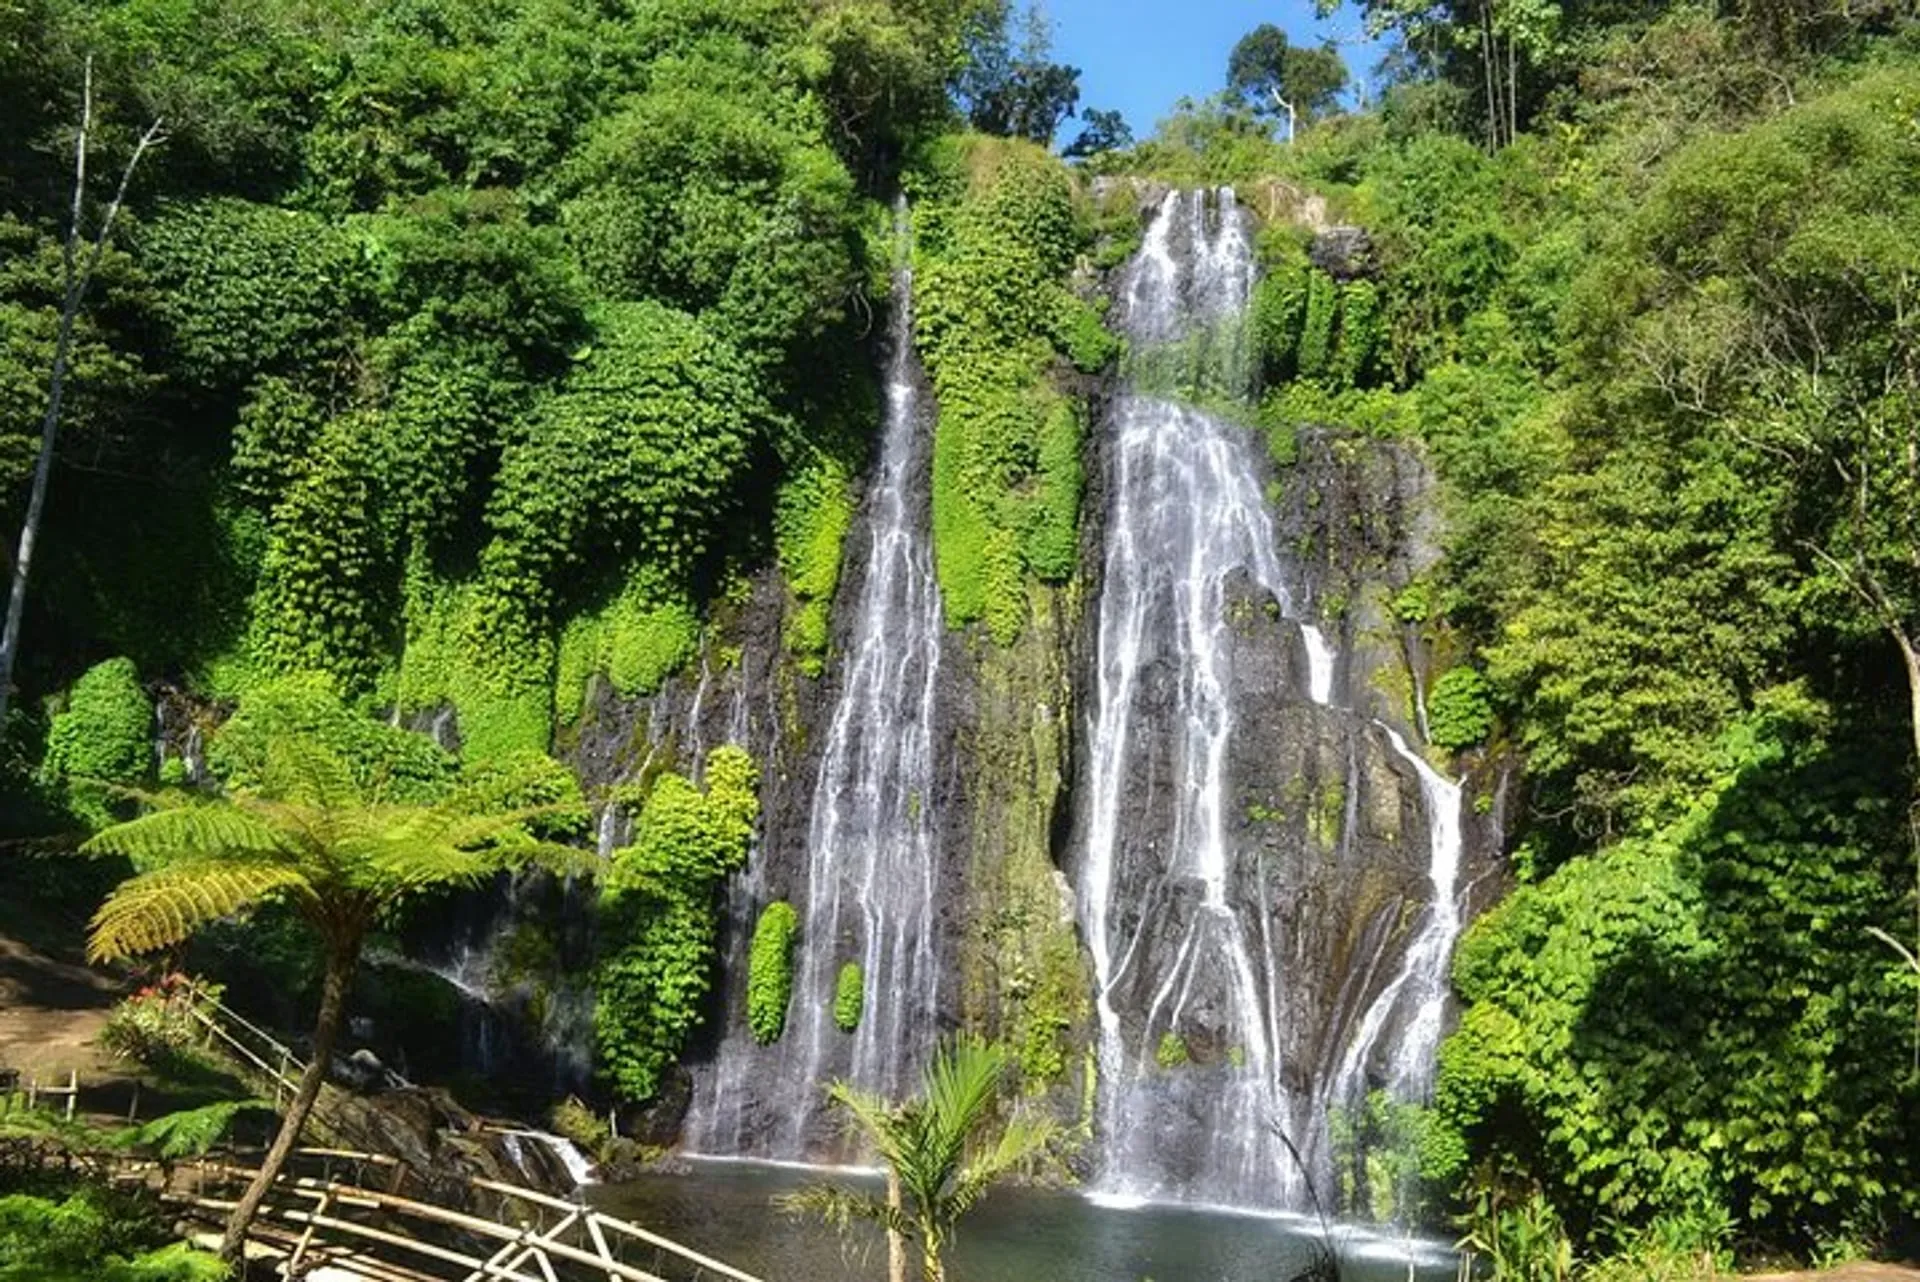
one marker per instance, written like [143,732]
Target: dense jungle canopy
[463,354]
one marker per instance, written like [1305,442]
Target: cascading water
[872,851]
[1219,1027]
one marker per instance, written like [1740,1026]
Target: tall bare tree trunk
[1489,59]
[896,1242]
[341,960]
[75,278]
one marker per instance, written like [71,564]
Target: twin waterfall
[1266,875]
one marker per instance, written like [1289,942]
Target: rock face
[1344,252]
[1177,844]
[1269,878]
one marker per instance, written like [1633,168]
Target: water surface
[725,1209]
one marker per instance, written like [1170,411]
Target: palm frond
[188,1133]
[961,1085]
[161,908]
[875,1118]
[840,1207]
[205,830]
[1025,1140]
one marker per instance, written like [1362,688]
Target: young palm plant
[343,841]
[943,1149]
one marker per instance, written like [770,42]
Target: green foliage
[717,193]
[996,235]
[307,819]
[770,971]
[1459,710]
[1172,1052]
[191,1132]
[157,1025]
[812,514]
[945,1147]
[88,1238]
[250,288]
[104,735]
[1711,977]
[638,639]
[660,905]
[849,997]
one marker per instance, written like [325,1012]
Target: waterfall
[868,893]
[1217,1020]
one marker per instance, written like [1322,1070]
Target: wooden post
[300,1248]
[73,1091]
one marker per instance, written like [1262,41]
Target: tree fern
[348,844]
[161,908]
[188,1133]
[211,830]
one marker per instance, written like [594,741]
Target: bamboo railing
[381,1234]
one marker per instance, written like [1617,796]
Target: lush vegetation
[660,905]
[996,232]
[343,820]
[944,1149]
[465,361]
[770,971]
[1632,281]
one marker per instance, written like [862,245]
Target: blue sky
[1140,56]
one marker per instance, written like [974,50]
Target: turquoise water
[1026,1235]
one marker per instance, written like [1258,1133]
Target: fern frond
[387,866]
[206,830]
[189,1133]
[304,770]
[161,908]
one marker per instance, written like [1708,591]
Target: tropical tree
[943,1150]
[344,821]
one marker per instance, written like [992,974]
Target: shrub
[1460,710]
[849,997]
[157,1025]
[1172,1050]
[770,971]
[103,735]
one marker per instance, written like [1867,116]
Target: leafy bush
[1459,709]
[103,735]
[1712,975]
[90,1237]
[158,1023]
[770,971]
[849,997]
[660,910]
[995,238]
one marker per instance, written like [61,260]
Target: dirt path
[51,1013]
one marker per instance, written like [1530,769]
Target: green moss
[997,234]
[770,971]
[812,513]
[1327,819]
[1171,1053]
[639,638]
[849,997]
